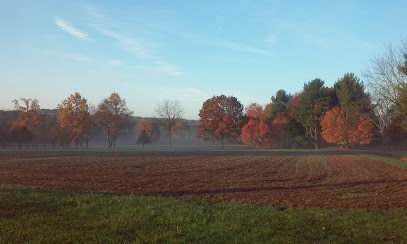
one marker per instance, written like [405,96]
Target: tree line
[77,122]
[345,114]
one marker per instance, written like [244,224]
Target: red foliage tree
[221,119]
[256,133]
[336,130]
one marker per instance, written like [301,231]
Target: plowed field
[333,181]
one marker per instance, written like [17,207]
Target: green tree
[312,105]
[279,103]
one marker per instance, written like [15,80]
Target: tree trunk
[87,143]
[169,139]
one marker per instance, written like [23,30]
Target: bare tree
[170,111]
[386,81]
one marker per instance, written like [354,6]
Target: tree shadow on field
[276,188]
[13,154]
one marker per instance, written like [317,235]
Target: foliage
[113,114]
[335,129]
[312,104]
[279,103]
[143,137]
[170,111]
[256,133]
[74,115]
[148,132]
[401,108]
[28,118]
[20,135]
[221,119]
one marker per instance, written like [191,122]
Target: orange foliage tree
[29,118]
[113,114]
[75,117]
[336,130]
[256,133]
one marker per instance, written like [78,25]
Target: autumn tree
[170,112]
[336,129]
[29,118]
[148,132]
[256,111]
[221,119]
[256,133]
[74,116]
[113,114]
[311,107]
[21,134]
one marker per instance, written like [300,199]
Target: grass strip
[47,216]
[392,161]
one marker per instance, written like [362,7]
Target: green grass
[392,161]
[45,216]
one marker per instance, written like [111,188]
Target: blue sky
[186,50]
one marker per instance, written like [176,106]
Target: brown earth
[280,179]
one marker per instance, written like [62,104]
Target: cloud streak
[65,26]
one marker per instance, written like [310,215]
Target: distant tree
[221,119]
[336,129]
[312,104]
[279,103]
[113,114]
[256,133]
[53,134]
[151,131]
[254,111]
[170,112]
[21,135]
[143,138]
[3,138]
[74,115]
[28,116]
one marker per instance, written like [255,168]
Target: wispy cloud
[132,45]
[65,26]
[143,48]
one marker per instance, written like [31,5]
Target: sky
[148,51]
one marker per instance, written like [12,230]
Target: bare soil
[332,180]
